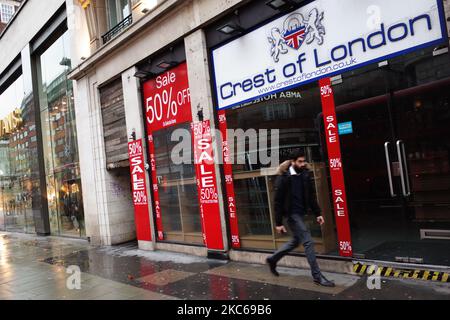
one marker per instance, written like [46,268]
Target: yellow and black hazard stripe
[386,271]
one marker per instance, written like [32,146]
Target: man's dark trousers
[301,235]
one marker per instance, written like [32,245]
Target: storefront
[19,172]
[39,167]
[183,188]
[368,104]
[361,91]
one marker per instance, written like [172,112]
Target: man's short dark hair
[297,154]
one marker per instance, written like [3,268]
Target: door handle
[404,174]
[389,170]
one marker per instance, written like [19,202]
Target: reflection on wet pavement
[298,281]
[34,267]
[165,277]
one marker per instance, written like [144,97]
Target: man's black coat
[283,195]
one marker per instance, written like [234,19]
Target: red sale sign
[139,188]
[207,186]
[228,171]
[167,99]
[156,199]
[336,170]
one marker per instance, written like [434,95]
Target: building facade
[40,171]
[363,93]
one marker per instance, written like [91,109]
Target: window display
[60,141]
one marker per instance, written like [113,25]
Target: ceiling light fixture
[142,74]
[230,28]
[166,64]
[283,4]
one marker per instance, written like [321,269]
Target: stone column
[89,135]
[135,123]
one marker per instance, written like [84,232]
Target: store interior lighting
[142,74]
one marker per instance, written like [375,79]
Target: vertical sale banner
[229,184]
[336,169]
[139,188]
[155,188]
[207,185]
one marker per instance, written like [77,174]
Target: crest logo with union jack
[294,38]
[296,30]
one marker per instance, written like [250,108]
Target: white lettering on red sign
[228,171]
[207,186]
[168,99]
[139,190]
[336,168]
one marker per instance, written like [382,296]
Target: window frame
[4,10]
[119,13]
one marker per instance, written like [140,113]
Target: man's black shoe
[322,281]
[273,267]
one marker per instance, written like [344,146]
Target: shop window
[58,123]
[19,170]
[297,116]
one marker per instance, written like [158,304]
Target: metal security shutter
[114,125]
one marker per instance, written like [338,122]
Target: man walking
[294,194]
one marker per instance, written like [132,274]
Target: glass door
[177,189]
[396,154]
[376,211]
[421,113]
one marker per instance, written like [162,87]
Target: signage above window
[84,3]
[168,99]
[11,123]
[322,39]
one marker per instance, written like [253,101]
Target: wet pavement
[36,268]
